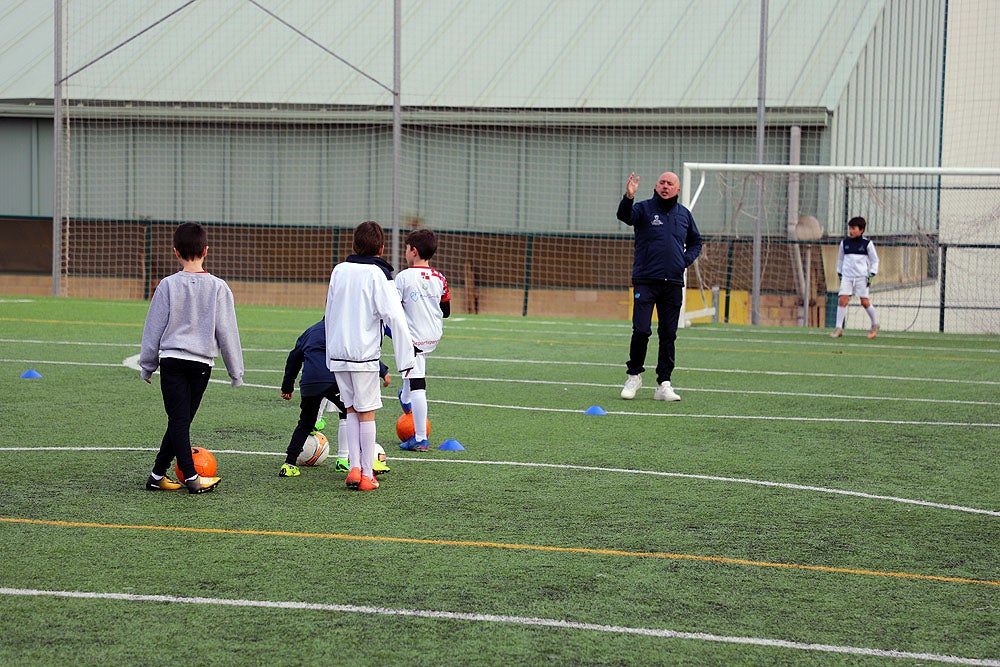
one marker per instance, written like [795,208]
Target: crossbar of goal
[690,199]
[704,167]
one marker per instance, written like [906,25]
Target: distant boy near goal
[857,264]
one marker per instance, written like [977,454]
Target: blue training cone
[30,374]
[595,410]
[453,445]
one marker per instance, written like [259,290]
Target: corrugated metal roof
[582,54]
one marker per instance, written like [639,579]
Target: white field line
[509,620]
[566,466]
[815,420]
[695,338]
[561,383]
[606,364]
[610,327]
[132,362]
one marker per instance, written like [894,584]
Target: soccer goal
[776,230]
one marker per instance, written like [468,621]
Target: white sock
[353,440]
[367,431]
[871,314]
[419,399]
[342,450]
[405,395]
[841,314]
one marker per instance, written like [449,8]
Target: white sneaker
[632,385]
[665,392]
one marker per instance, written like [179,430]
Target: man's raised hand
[631,185]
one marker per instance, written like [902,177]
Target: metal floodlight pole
[397,129]
[57,150]
[758,220]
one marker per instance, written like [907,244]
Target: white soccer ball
[315,450]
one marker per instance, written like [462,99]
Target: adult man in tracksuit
[666,243]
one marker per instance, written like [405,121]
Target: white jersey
[423,289]
[360,298]
[856,258]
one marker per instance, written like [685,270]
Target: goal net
[936,231]
[510,131]
[272,124]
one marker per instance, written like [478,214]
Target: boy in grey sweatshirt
[191,319]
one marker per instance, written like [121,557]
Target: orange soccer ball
[405,428]
[204,463]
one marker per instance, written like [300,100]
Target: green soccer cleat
[288,470]
[342,466]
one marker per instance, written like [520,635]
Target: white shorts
[360,390]
[419,369]
[849,286]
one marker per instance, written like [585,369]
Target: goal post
[937,231]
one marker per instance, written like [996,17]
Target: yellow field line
[503,545]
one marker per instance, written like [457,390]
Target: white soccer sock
[841,314]
[404,396]
[353,440]
[323,404]
[367,431]
[419,399]
[871,314]
[343,452]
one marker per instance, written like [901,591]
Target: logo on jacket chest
[656,220]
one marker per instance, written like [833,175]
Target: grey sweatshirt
[192,316]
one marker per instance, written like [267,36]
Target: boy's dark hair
[858,222]
[369,239]
[190,240]
[423,241]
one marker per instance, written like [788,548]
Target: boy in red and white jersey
[426,302]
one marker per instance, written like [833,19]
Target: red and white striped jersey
[423,289]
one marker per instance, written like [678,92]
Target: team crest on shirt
[656,220]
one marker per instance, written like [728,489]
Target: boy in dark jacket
[317,383]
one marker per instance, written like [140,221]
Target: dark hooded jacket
[667,240]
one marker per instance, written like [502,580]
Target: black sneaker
[201,484]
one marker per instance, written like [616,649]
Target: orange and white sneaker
[162,484]
[873,331]
[353,478]
[368,483]
[837,333]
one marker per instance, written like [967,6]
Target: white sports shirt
[856,258]
[360,298]
[423,289]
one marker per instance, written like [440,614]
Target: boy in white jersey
[360,303]
[426,302]
[857,264]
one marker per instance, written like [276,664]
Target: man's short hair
[190,240]
[424,242]
[369,239]
[858,222]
